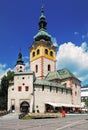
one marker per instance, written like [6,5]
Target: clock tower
[42,51]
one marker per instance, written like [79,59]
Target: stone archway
[24,107]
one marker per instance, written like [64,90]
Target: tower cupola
[42,33]
[20,66]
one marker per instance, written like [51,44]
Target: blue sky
[67,23]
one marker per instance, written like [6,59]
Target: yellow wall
[42,53]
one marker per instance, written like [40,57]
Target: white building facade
[44,88]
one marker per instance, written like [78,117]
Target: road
[70,122]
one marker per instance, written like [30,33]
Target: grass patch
[41,116]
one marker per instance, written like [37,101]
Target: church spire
[42,33]
[20,66]
[20,61]
[42,22]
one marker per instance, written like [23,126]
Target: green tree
[10,75]
[4,85]
[4,88]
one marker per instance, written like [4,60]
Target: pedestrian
[63,113]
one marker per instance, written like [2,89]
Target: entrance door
[24,107]
[12,108]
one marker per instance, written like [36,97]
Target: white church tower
[42,51]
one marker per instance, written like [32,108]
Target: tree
[10,75]
[4,85]
[4,88]
[86,103]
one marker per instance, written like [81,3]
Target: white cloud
[84,46]
[27,66]
[75,58]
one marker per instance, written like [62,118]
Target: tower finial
[42,8]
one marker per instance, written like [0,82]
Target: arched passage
[24,107]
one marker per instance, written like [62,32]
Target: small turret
[20,66]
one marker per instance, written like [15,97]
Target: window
[33,54]
[71,92]
[26,88]
[36,68]
[46,51]
[23,77]
[38,52]
[56,89]
[75,93]
[50,88]
[62,90]
[20,67]
[75,85]
[13,107]
[49,67]
[43,88]
[51,53]
[65,85]
[12,89]
[23,84]
[19,88]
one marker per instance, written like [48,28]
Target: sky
[67,23]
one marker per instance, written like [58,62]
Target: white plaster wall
[19,96]
[45,65]
[75,88]
[43,97]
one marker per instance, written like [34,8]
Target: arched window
[36,68]
[51,53]
[49,67]
[46,51]
[33,54]
[38,52]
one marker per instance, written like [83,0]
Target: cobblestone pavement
[11,122]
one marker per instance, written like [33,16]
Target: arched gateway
[24,107]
